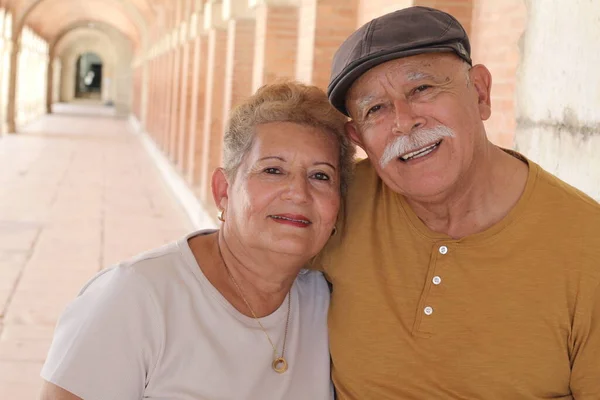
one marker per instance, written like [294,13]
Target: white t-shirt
[155,328]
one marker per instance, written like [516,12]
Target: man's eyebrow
[415,76]
[364,101]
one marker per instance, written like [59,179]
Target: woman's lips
[297,220]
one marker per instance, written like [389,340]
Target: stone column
[186,93]
[213,106]
[495,33]
[241,27]
[276,41]
[152,96]
[49,81]
[177,72]
[11,108]
[166,66]
[558,117]
[194,157]
[324,25]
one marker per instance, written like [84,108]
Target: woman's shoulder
[159,266]
[312,283]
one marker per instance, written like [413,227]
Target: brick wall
[195,93]
[185,105]
[496,31]
[324,25]
[175,106]
[369,9]
[194,167]
[276,42]
[213,109]
[240,56]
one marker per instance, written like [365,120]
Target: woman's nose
[297,189]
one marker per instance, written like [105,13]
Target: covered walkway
[79,193]
[112,115]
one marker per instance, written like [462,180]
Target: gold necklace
[279,364]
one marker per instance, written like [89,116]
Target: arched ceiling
[134,18]
[87,39]
[73,37]
[67,12]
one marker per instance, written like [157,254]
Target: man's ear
[482,81]
[220,187]
[353,134]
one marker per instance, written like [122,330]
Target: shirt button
[428,310]
[437,280]
[443,249]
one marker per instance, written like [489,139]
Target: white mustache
[407,143]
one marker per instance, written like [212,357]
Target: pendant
[280,365]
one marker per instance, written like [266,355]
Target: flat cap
[406,32]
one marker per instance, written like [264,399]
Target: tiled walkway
[78,192]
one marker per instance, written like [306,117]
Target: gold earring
[221,215]
[334,231]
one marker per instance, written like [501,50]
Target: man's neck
[482,198]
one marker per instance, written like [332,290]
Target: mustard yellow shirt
[509,313]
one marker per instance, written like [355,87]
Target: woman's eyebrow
[324,163]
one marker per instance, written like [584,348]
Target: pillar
[212,136]
[496,30]
[176,85]
[241,29]
[194,164]
[186,92]
[323,26]
[276,41]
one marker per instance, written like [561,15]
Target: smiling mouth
[298,221]
[413,155]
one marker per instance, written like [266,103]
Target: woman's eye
[321,176]
[272,170]
[374,109]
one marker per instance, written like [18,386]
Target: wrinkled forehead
[401,71]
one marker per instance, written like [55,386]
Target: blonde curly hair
[286,102]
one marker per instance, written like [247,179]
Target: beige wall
[558,91]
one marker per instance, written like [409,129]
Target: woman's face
[286,194]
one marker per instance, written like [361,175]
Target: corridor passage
[78,192]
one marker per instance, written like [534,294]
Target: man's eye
[374,109]
[272,170]
[421,88]
[321,176]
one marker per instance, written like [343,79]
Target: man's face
[420,121]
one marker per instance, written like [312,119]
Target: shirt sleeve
[107,340]
[585,372]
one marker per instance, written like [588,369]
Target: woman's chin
[301,247]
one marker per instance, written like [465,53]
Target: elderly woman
[227,314]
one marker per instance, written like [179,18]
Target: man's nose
[405,118]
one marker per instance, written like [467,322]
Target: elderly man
[460,270]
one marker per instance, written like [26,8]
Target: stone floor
[78,192]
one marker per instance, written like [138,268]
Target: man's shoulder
[560,195]
[365,180]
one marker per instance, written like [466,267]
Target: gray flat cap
[406,32]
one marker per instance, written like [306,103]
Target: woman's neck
[261,279]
